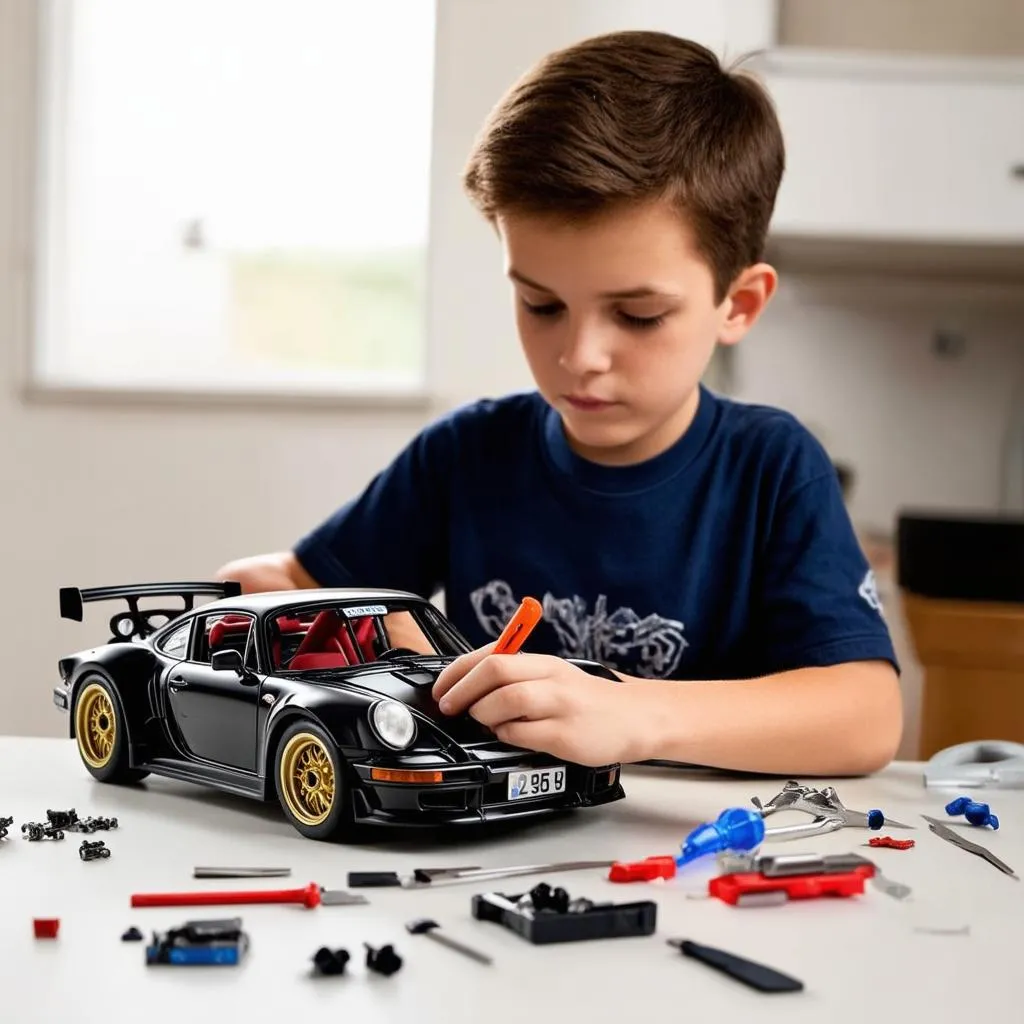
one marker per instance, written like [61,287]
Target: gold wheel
[306,778]
[95,726]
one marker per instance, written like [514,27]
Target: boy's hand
[541,702]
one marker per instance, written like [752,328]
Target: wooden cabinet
[972,654]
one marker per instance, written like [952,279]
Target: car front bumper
[476,792]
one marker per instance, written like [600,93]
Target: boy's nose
[585,351]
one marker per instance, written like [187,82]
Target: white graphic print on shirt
[868,590]
[650,646]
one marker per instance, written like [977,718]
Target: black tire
[310,780]
[101,733]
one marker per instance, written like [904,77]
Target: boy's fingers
[452,673]
[516,701]
[490,673]
[541,735]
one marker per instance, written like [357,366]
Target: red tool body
[646,870]
[755,888]
[310,896]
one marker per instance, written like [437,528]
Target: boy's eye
[641,323]
[546,309]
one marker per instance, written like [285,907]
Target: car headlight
[393,723]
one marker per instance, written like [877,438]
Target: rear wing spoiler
[136,622]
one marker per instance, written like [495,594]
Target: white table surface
[861,959]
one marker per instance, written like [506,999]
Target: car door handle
[177,683]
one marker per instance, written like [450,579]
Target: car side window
[175,644]
[222,632]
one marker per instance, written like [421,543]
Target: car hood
[411,684]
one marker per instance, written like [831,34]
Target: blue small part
[221,955]
[735,829]
[876,819]
[976,813]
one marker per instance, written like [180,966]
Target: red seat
[323,637]
[321,659]
[229,624]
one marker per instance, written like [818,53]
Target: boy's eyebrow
[640,292]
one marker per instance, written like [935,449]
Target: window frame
[161,643]
[44,46]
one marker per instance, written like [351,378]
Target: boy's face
[618,321]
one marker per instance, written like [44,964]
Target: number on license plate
[536,782]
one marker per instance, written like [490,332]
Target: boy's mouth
[587,404]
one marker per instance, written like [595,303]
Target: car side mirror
[227,661]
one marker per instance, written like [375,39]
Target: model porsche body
[318,698]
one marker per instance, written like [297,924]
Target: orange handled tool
[519,627]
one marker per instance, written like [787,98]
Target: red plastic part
[309,896]
[730,888]
[642,870]
[46,927]
[896,844]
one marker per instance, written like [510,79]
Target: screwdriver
[427,926]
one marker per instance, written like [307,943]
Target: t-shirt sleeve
[394,534]
[818,603]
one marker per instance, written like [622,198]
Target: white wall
[854,358]
[94,493]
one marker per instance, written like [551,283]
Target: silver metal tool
[943,832]
[428,878]
[341,898]
[241,872]
[427,926]
[807,830]
[820,803]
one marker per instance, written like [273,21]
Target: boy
[670,534]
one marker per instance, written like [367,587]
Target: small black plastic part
[755,975]
[35,831]
[63,819]
[543,897]
[93,851]
[132,935]
[369,879]
[541,926]
[384,960]
[330,961]
[421,926]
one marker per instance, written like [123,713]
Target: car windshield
[338,634]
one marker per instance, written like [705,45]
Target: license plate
[536,782]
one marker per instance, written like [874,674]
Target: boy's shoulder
[487,421]
[769,440]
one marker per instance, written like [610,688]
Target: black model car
[320,698]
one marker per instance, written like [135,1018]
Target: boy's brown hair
[631,117]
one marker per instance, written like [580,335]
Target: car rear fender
[127,669]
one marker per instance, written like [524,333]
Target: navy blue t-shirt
[731,555]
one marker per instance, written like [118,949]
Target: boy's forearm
[840,720]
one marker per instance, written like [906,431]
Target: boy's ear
[747,298]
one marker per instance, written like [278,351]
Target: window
[227,631]
[236,196]
[175,644]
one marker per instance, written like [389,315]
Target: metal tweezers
[944,832]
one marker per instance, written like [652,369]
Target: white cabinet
[903,152]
